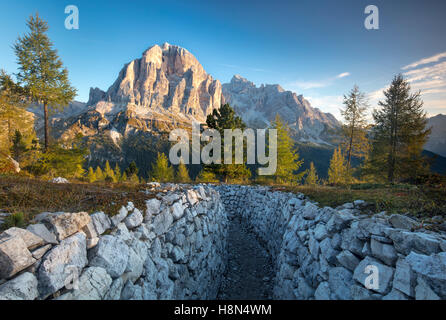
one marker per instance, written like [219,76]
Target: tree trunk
[47,129]
[9,133]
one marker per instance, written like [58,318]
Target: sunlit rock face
[166,79]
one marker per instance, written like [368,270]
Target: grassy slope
[32,196]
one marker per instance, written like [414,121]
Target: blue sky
[316,48]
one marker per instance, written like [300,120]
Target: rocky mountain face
[165,88]
[437,139]
[258,107]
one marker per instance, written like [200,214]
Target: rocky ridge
[258,107]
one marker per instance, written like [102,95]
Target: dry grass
[31,196]
[419,201]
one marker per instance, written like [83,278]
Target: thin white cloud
[343,75]
[331,104]
[434,58]
[305,85]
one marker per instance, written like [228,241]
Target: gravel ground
[249,275]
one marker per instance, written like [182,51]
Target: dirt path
[250,271]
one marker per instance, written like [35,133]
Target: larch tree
[354,140]
[182,173]
[41,71]
[312,178]
[161,171]
[288,162]
[399,133]
[13,115]
[337,172]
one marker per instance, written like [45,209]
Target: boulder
[112,254]
[62,264]
[14,256]
[384,274]
[40,252]
[101,222]
[310,211]
[31,240]
[134,267]
[424,292]
[65,224]
[340,282]
[432,269]
[153,208]
[348,260]
[323,291]
[384,252]
[192,196]
[402,222]
[134,219]
[23,287]
[42,231]
[117,219]
[405,242]
[395,295]
[404,279]
[114,293]
[177,210]
[162,222]
[94,284]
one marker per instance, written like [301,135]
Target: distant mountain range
[258,107]
[437,139]
[167,88]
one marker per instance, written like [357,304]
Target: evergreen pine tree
[288,162]
[312,178]
[42,71]
[221,119]
[337,172]
[399,133]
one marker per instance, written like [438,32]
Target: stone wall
[326,253]
[176,248]
[173,249]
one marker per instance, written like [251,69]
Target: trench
[249,274]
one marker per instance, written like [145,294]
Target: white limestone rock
[62,263]
[134,219]
[384,276]
[23,287]
[42,231]
[31,240]
[112,254]
[14,256]
[65,224]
